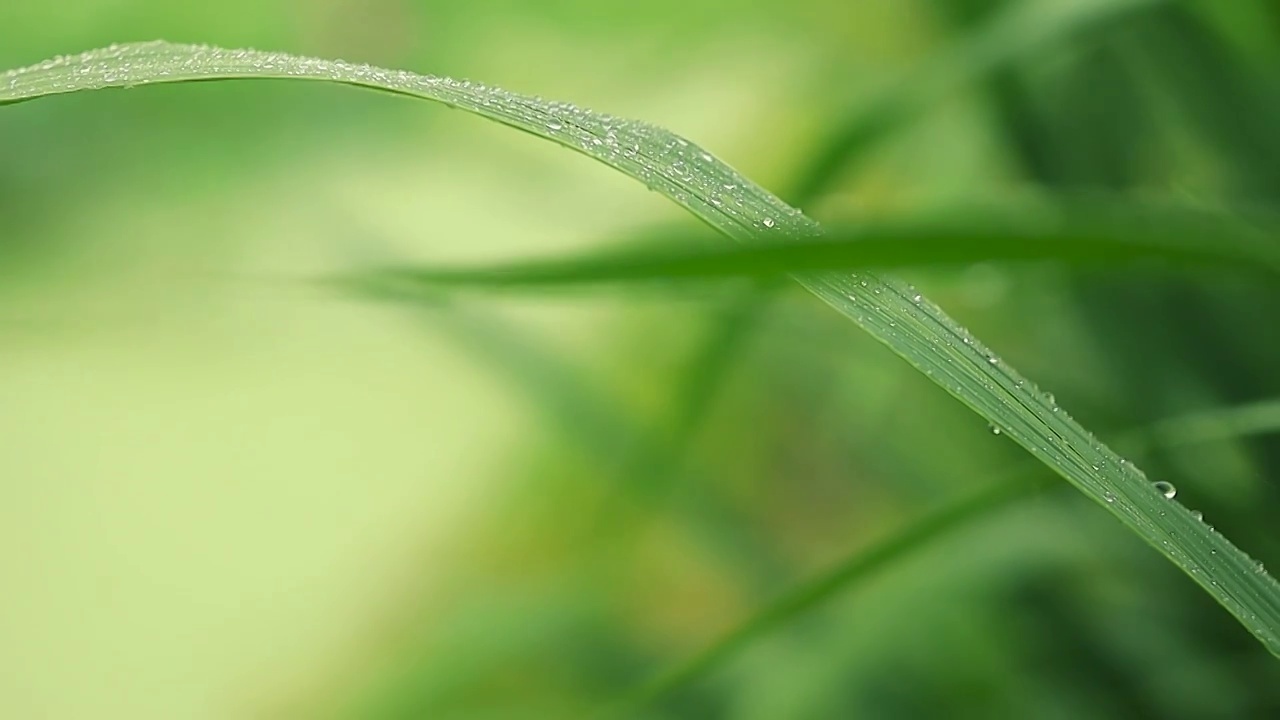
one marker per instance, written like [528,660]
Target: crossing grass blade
[1086,233]
[892,311]
[840,578]
[1257,418]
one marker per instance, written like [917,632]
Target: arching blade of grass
[892,311]
[1078,233]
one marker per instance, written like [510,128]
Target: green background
[226,493]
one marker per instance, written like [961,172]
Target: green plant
[892,311]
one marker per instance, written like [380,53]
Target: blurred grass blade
[1079,233]
[1219,423]
[1258,418]
[814,592]
[1023,29]
[644,462]
[1231,110]
[892,311]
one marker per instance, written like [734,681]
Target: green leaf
[1090,232]
[892,311]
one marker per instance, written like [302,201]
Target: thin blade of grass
[892,311]
[861,132]
[838,579]
[1258,418]
[1233,112]
[645,462]
[1023,29]
[1082,234]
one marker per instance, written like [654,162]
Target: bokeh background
[227,493]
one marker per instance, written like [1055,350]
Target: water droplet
[994,428]
[1048,397]
[1166,489]
[554,125]
[768,222]
[1109,496]
[1259,568]
[1197,515]
[993,360]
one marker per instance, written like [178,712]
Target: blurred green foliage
[221,495]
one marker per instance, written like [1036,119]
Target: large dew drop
[1166,489]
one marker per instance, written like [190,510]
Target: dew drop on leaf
[1166,489]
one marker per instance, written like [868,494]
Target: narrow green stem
[810,594]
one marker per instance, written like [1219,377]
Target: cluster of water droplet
[662,160]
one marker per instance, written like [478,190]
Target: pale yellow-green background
[225,493]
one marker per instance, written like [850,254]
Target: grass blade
[646,463]
[892,311]
[839,578]
[1257,418]
[1000,43]
[1079,233]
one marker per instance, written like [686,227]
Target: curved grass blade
[1079,233]
[892,311]
[989,53]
